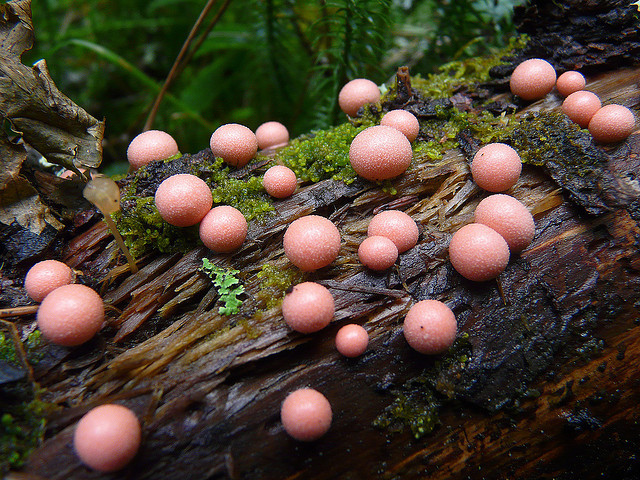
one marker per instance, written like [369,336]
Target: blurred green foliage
[264,60]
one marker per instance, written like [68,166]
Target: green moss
[274,282]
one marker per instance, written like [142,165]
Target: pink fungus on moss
[397,226]
[183,200]
[306,414]
[380,153]
[234,143]
[308,307]
[533,79]
[151,146]
[272,135]
[311,242]
[430,327]
[403,121]
[46,276]
[223,229]
[280,181]
[496,167]
[356,94]
[478,252]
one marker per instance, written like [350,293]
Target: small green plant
[228,286]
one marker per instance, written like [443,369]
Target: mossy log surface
[541,382]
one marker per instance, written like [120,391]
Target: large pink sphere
[183,200]
[46,276]
[478,252]
[430,327]
[581,106]
[570,82]
[377,252]
[234,143]
[151,146]
[107,437]
[70,315]
[397,226]
[352,340]
[271,135]
[356,94]
[308,308]
[533,79]
[280,181]
[223,229]
[380,153]
[306,414]
[403,121]
[509,218]
[311,242]
[612,123]
[496,167]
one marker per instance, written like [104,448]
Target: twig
[18,311]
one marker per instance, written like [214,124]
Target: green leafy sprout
[228,286]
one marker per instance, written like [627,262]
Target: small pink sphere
[311,242]
[107,437]
[430,327]
[581,106]
[533,79]
[352,340]
[183,200]
[403,121]
[70,315]
[151,146]
[306,414]
[234,143]
[478,252]
[357,93]
[280,181]
[46,276]
[223,229]
[272,135]
[397,226]
[570,82]
[509,218]
[380,153]
[612,123]
[496,167]
[377,252]
[308,308]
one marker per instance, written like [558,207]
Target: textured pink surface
[496,167]
[581,106]
[46,276]
[306,414]
[533,79]
[357,93]
[150,146]
[377,252]
[107,437]
[430,327]
[509,218]
[311,242]
[403,121]
[280,181]
[234,143]
[397,226]
[612,123]
[223,229]
[380,153]
[308,308]
[570,82]
[352,340]
[478,252]
[183,200]
[70,315]
[272,134]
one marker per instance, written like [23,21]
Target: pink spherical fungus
[380,153]
[581,106]
[223,229]
[403,121]
[570,82]
[397,226]
[306,414]
[151,146]
[280,181]
[356,94]
[234,143]
[272,135]
[70,315]
[496,167]
[509,218]
[533,79]
[377,252]
[478,252]
[612,123]
[352,340]
[107,437]
[308,308]
[46,276]
[311,242]
[430,327]
[183,200]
